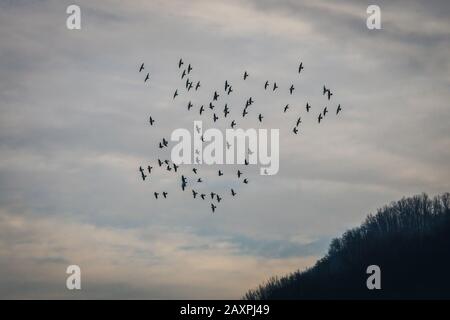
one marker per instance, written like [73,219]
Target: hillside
[409,240]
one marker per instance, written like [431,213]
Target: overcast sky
[74,130]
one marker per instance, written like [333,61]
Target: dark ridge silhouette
[409,240]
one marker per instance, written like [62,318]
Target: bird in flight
[199,180]
[169,168]
[203,196]
[201,109]
[338,109]
[175,94]
[320,117]
[295,130]
[165,143]
[245,181]
[147,77]
[291,89]
[175,167]
[233,193]
[244,113]
[211,106]
[260,117]
[189,68]
[180,63]
[300,67]
[239,173]
[218,198]
[160,162]
[233,124]
[213,195]
[151,120]
[230,90]
[245,75]
[197,86]
[286,108]
[213,207]
[328,92]
[307,107]
[183,182]
[149,168]
[215,117]
[194,170]
[220,173]
[142,67]
[183,74]
[165,194]
[190,105]
[226,85]
[142,173]
[194,193]
[225,110]
[299,120]
[275,87]
[216,95]
[266,85]
[325,111]
[246,162]
[156,194]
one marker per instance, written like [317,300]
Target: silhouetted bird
[245,181]
[325,111]
[299,120]
[233,123]
[213,207]
[142,67]
[246,162]
[190,105]
[156,194]
[175,94]
[175,167]
[211,106]
[194,193]
[225,110]
[215,117]
[275,87]
[151,120]
[149,168]
[220,173]
[245,75]
[165,143]
[216,95]
[226,85]
[199,180]
[218,198]
[203,196]
[338,109]
[142,173]
[327,91]
[160,162]
[187,84]
[201,109]
[295,130]
[194,170]
[166,162]
[147,77]
[233,193]
[169,168]
[286,108]
[180,63]
[213,195]
[260,117]
[300,67]
[291,89]
[307,107]
[197,86]
[165,194]
[266,85]
[189,68]
[230,90]
[239,173]
[183,74]
[320,117]
[160,145]
[183,182]
[244,112]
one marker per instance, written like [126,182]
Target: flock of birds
[195,180]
